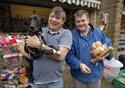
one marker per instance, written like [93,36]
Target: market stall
[13,67]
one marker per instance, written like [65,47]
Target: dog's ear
[43,23]
[26,21]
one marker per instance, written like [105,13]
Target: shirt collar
[90,32]
[53,33]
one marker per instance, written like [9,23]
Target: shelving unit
[13,70]
[121,47]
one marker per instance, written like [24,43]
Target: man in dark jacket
[85,73]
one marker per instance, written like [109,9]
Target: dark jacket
[80,53]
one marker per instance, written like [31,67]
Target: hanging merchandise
[13,70]
[104,21]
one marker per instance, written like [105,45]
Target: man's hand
[84,68]
[103,57]
[33,42]
[99,58]
[21,48]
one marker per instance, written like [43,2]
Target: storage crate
[118,83]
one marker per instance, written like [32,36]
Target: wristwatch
[42,46]
[56,52]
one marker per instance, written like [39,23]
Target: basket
[117,83]
[122,73]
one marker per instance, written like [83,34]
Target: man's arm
[61,56]
[75,63]
[21,48]
[72,60]
[108,42]
[64,46]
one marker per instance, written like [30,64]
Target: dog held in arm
[34,24]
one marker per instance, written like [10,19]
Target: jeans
[57,84]
[96,84]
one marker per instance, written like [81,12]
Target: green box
[117,83]
[122,73]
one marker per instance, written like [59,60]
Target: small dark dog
[34,24]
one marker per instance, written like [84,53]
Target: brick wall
[114,9]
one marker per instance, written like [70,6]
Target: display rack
[13,69]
